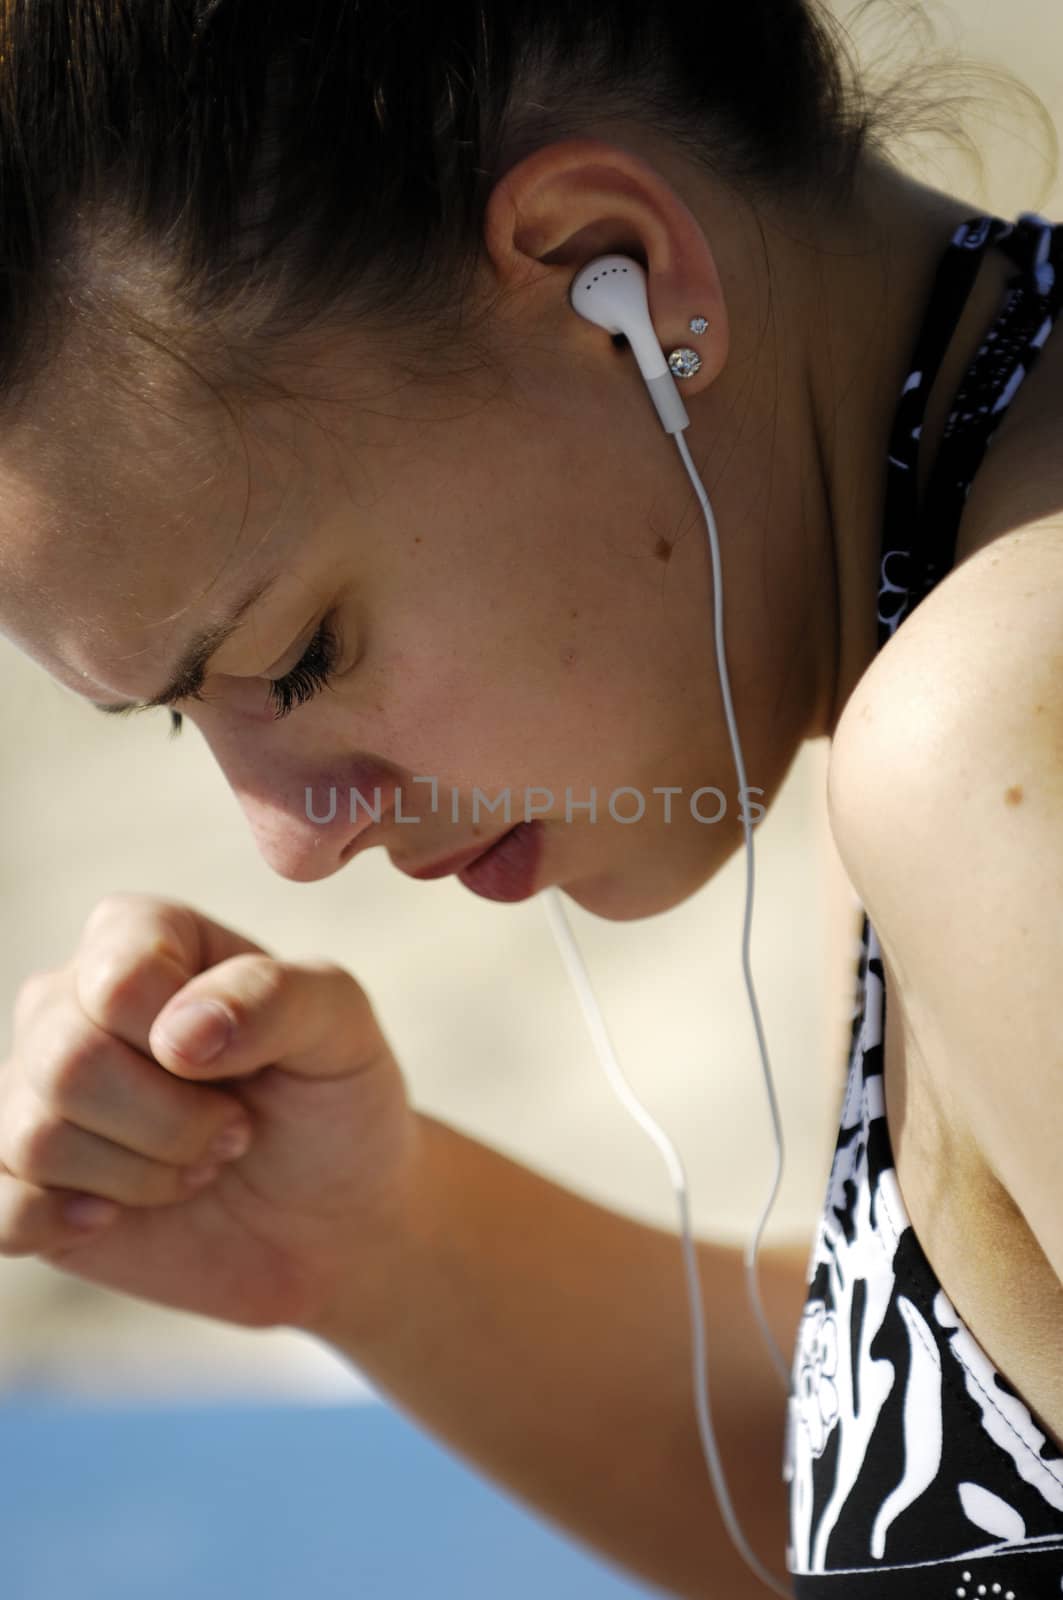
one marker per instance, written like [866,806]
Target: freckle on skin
[663,550]
[567,657]
[1013,796]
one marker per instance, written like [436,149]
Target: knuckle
[117,910]
[32,1221]
[30,1145]
[182,1147]
[111,908]
[19,1209]
[324,967]
[126,936]
[111,980]
[28,994]
[345,990]
[73,1072]
[162,1186]
[260,983]
[331,970]
[158,1183]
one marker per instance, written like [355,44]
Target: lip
[465,858]
[510,870]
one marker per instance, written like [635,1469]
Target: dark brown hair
[185,183]
[212,175]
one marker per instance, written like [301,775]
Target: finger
[80,1074]
[34,1220]
[310,1018]
[136,951]
[50,1153]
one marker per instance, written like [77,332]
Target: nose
[308,816]
[295,846]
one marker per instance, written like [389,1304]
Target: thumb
[309,1018]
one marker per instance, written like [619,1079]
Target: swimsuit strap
[919,541]
[1009,353]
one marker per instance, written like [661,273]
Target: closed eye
[309,676]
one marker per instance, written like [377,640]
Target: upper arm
[947,803]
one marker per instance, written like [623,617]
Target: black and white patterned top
[915,1469]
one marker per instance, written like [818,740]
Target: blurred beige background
[472,995]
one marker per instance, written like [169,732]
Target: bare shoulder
[946,794]
[969,691]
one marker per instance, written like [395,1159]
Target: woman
[302,439]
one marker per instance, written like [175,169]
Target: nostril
[352,845]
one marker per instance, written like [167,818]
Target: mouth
[455,863]
[509,870]
[505,869]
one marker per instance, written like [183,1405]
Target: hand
[95,1102]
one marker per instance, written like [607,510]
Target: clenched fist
[234,1130]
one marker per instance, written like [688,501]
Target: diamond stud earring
[684,363]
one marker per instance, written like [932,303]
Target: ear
[579,198]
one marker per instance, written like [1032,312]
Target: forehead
[129,526]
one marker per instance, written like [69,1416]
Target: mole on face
[1013,796]
[662,549]
[568,655]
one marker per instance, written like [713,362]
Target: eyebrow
[192,668]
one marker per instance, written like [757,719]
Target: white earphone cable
[599,1034]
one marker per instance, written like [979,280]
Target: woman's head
[285,297]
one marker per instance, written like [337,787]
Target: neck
[870,289]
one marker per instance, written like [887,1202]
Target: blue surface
[260,1502]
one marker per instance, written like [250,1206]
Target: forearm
[547,1340]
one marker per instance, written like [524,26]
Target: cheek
[465,703]
[527,660]
[511,708]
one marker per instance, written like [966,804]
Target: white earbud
[610,291]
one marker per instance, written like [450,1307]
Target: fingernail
[233,1143]
[198,1031]
[89,1211]
[196,1177]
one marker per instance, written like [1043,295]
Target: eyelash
[306,679]
[310,675]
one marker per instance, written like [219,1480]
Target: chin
[619,899]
